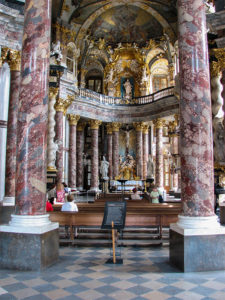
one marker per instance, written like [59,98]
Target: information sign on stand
[114,219]
[114,212]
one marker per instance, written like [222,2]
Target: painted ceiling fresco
[126,24]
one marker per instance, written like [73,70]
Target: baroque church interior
[109,96]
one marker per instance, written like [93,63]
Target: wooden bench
[144,215]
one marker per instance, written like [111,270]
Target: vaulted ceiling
[118,21]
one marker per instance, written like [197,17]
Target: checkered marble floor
[82,274]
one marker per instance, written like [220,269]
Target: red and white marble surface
[94,159]
[109,154]
[139,153]
[10,173]
[159,158]
[80,167]
[145,153]
[197,182]
[33,110]
[115,154]
[59,141]
[72,156]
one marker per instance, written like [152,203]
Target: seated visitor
[135,195]
[48,204]
[66,188]
[154,195]
[52,192]
[60,192]
[69,205]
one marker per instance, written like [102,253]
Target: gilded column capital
[220,55]
[53,91]
[4,55]
[109,128]
[145,128]
[73,119]
[14,60]
[158,123]
[59,106]
[116,126]
[81,126]
[139,126]
[67,102]
[94,124]
[215,69]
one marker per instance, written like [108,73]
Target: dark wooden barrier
[140,215]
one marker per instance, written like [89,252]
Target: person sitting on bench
[135,195]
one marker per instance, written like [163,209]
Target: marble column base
[8,201]
[29,243]
[197,250]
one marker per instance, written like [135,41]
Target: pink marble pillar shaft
[109,153]
[59,140]
[33,110]
[159,157]
[72,156]
[197,182]
[80,149]
[139,153]
[145,152]
[11,135]
[94,159]
[115,154]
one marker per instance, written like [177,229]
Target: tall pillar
[145,150]
[109,149]
[73,119]
[59,107]
[94,155]
[80,149]
[139,149]
[194,236]
[4,102]
[30,232]
[52,147]
[159,154]
[115,154]
[10,174]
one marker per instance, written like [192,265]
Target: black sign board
[116,212]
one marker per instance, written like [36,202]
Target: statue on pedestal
[104,169]
[128,89]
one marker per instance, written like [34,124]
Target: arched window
[70,60]
[94,81]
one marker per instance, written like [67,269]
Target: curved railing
[104,99]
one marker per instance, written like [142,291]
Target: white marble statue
[128,89]
[56,51]
[104,168]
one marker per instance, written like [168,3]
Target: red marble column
[145,150]
[59,107]
[197,182]
[159,154]
[33,110]
[94,155]
[139,149]
[115,154]
[80,149]
[73,119]
[15,65]
[109,149]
